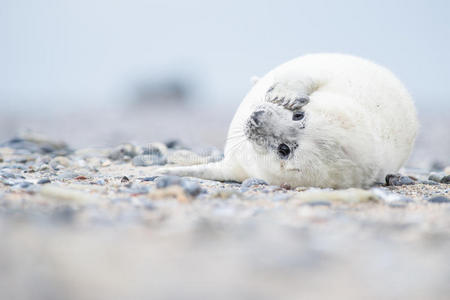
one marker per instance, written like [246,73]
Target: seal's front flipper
[219,171]
[292,94]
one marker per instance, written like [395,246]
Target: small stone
[8,175]
[67,175]
[149,160]
[124,179]
[165,181]
[224,193]
[81,177]
[157,149]
[29,142]
[429,182]
[43,167]
[439,199]
[397,205]
[25,184]
[150,178]
[397,180]
[445,179]
[59,161]
[138,189]
[175,144]
[285,186]
[249,182]
[280,197]
[317,203]
[100,182]
[123,152]
[7,182]
[272,188]
[44,181]
[191,188]
[436,176]
[22,160]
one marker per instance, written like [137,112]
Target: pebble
[67,175]
[429,182]
[123,152]
[249,182]
[436,176]
[8,182]
[397,180]
[59,161]
[225,193]
[390,198]
[167,180]
[25,184]
[8,175]
[157,149]
[397,205]
[101,182]
[149,160]
[317,203]
[285,186]
[272,188]
[439,199]
[43,167]
[33,143]
[280,197]
[138,189]
[150,178]
[44,181]
[445,179]
[175,145]
[189,187]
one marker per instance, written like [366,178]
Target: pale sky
[72,52]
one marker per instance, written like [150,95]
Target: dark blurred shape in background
[163,91]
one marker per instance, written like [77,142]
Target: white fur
[360,125]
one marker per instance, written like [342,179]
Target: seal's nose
[256,117]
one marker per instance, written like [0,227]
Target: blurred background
[98,73]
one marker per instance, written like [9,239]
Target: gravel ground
[93,223]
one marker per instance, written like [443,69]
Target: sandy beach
[83,217]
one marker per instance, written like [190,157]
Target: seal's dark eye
[297,116]
[283,150]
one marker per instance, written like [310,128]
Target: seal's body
[325,120]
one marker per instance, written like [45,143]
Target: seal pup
[322,120]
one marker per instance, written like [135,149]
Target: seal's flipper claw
[292,95]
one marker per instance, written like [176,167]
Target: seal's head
[312,141]
[275,131]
